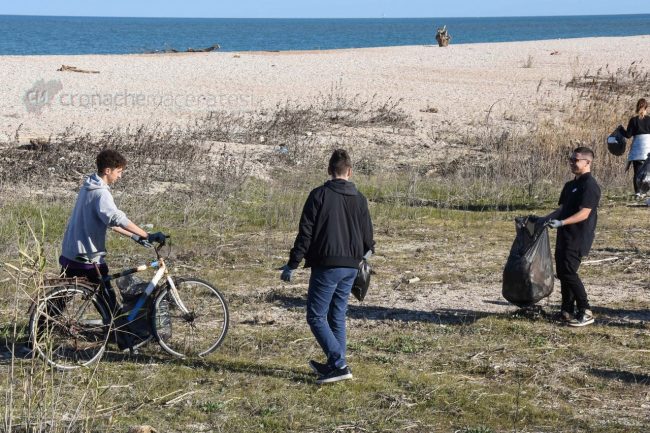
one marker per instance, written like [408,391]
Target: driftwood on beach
[443,37]
[213,47]
[66,68]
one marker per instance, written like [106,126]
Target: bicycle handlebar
[162,244]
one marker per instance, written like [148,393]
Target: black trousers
[92,276]
[574,295]
[122,335]
[636,165]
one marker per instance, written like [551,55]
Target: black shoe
[566,317]
[319,368]
[335,376]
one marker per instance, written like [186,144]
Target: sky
[321,8]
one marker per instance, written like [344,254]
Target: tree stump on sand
[443,37]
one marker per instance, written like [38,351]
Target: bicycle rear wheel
[198,332]
[69,326]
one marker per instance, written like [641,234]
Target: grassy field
[445,354]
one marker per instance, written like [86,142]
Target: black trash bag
[616,142]
[138,329]
[642,178]
[362,281]
[528,274]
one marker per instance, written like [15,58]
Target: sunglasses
[574,160]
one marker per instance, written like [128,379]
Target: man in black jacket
[335,231]
[575,221]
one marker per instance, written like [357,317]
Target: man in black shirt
[575,221]
[334,233]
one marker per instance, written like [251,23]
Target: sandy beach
[462,81]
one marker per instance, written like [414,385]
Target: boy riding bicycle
[84,243]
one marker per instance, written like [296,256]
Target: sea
[36,35]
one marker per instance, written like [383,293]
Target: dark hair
[641,105]
[584,151]
[109,158]
[340,162]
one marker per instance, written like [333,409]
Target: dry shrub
[175,158]
[293,125]
[609,86]
[38,399]
[602,101]
[533,162]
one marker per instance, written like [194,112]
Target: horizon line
[325,18]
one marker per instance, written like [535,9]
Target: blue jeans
[327,303]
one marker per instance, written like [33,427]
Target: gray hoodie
[85,236]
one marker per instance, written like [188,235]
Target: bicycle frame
[162,271]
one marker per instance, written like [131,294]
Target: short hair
[340,162]
[584,151]
[109,158]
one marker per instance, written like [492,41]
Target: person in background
[334,233]
[575,221]
[638,128]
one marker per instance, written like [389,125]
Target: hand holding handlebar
[142,241]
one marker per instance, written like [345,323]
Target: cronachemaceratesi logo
[41,94]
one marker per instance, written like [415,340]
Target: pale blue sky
[321,9]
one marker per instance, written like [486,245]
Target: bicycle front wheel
[194,333]
[69,326]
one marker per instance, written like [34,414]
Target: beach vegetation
[444,353]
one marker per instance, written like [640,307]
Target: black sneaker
[566,317]
[319,368]
[583,318]
[335,375]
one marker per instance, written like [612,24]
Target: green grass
[417,368]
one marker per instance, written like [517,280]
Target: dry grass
[444,354]
[433,356]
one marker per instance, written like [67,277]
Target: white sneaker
[583,318]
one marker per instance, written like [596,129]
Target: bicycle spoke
[198,332]
[68,328]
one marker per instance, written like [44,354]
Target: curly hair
[109,158]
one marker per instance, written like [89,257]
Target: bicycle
[71,323]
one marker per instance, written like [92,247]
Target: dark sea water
[21,35]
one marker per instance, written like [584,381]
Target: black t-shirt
[581,192]
[637,126]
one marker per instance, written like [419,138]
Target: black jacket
[335,227]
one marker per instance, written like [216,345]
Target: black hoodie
[335,227]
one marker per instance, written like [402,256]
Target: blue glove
[157,237]
[555,224]
[287,273]
[140,240]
